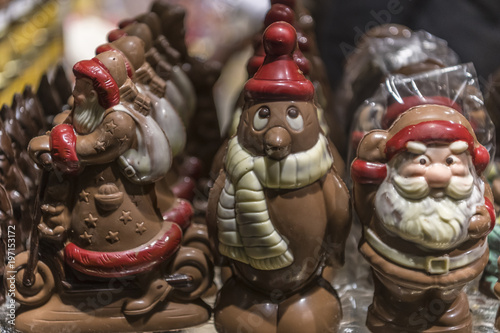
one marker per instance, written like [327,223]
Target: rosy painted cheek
[412,170]
[459,170]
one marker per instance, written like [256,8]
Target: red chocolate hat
[424,123]
[279,78]
[434,124]
[395,109]
[109,47]
[279,12]
[108,93]
[256,60]
[289,3]
[122,24]
[116,34]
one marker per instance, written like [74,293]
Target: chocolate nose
[438,176]
[277,143]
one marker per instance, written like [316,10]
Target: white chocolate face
[437,165]
[429,195]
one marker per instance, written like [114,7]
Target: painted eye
[294,118]
[264,113]
[422,160]
[451,160]
[261,118]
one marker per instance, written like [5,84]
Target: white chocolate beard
[245,230]
[87,117]
[417,188]
[436,224]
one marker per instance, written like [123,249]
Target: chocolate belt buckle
[437,265]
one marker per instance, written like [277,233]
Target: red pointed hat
[395,109]
[289,3]
[279,12]
[279,78]
[110,47]
[116,34]
[108,92]
[433,123]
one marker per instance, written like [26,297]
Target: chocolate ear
[481,158]
[372,146]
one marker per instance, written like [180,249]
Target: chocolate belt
[430,264]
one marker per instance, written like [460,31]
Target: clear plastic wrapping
[455,86]
[385,50]
[392,54]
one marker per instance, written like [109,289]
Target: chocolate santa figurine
[109,263]
[278,210]
[161,67]
[148,83]
[426,211]
[172,57]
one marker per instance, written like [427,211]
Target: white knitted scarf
[245,230]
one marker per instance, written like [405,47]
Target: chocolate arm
[213,201]
[368,170]
[114,136]
[483,221]
[338,205]
[38,146]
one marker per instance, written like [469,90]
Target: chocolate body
[278,211]
[99,221]
[413,272]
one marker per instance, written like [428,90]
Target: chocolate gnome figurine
[426,211]
[278,209]
[109,263]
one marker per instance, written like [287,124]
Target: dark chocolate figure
[7,231]
[278,208]
[12,179]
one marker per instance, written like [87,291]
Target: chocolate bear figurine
[426,211]
[278,210]
[108,261]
